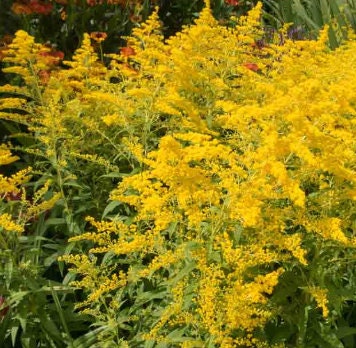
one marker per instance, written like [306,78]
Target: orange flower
[19,8]
[63,14]
[2,53]
[44,76]
[53,57]
[4,42]
[251,66]
[127,51]
[98,36]
[135,18]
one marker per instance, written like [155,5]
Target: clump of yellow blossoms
[12,191]
[245,153]
[259,151]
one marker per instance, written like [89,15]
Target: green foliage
[37,309]
[339,15]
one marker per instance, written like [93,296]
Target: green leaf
[177,335]
[49,327]
[110,207]
[300,11]
[87,340]
[72,183]
[345,331]
[17,297]
[332,340]
[149,344]
[325,11]
[188,268]
[60,313]
[114,175]
[286,10]
[148,296]
[14,331]
[55,221]
[15,95]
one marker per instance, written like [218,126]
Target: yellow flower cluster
[259,149]
[11,184]
[321,298]
[6,156]
[7,224]
[11,189]
[27,58]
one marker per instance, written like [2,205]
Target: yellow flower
[7,224]
[5,155]
[320,296]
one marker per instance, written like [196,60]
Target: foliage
[230,167]
[61,23]
[31,313]
[339,15]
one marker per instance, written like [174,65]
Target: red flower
[40,7]
[251,66]
[94,2]
[31,6]
[57,54]
[232,2]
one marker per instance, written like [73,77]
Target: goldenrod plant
[229,165]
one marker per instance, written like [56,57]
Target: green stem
[101,52]
[61,316]
[303,324]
